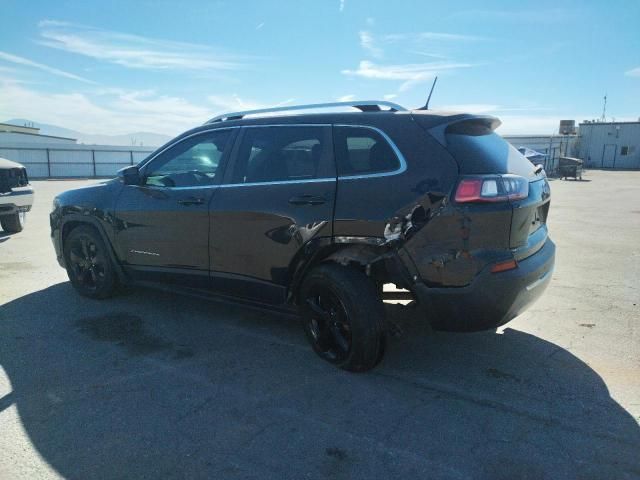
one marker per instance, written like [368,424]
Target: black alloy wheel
[329,325]
[343,317]
[88,264]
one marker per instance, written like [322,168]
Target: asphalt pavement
[155,385]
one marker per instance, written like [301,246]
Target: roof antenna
[433,85]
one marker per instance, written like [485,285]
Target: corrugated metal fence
[83,161]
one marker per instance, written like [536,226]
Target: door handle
[191,201]
[307,200]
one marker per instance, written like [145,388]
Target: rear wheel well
[381,264]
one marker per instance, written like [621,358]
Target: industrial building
[10,134]
[610,144]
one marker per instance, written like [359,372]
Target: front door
[162,225]
[278,195]
[609,156]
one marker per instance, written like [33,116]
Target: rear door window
[363,151]
[283,153]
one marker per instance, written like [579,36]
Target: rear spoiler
[463,124]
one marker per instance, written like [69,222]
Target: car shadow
[4,236]
[152,385]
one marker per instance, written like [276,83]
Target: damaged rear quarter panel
[411,212]
[459,241]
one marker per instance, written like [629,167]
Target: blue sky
[165,66]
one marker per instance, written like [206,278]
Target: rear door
[162,225]
[278,195]
[370,188]
[609,155]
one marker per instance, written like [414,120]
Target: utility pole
[604,109]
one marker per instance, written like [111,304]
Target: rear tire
[89,265]
[343,317]
[13,223]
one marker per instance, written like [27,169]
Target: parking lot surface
[155,385]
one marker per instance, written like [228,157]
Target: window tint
[192,162]
[271,154]
[362,151]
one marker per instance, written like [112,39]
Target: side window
[361,151]
[271,154]
[190,163]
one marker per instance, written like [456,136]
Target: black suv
[314,213]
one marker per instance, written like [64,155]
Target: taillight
[492,188]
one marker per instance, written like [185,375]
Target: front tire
[89,265]
[13,223]
[343,317]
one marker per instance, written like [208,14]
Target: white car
[16,196]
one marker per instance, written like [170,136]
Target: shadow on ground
[151,385]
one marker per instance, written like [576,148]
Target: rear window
[361,151]
[479,150]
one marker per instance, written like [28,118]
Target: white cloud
[133,51]
[634,72]
[259,26]
[390,96]
[118,111]
[367,42]
[411,74]
[346,98]
[439,56]
[7,57]
[230,103]
[342,5]
[375,45]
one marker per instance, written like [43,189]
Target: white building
[11,134]
[610,144]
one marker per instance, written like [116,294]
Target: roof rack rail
[362,105]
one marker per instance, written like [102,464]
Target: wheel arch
[71,222]
[379,262]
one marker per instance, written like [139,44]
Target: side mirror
[130,175]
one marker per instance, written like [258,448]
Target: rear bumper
[492,299]
[17,200]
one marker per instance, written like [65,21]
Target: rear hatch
[483,154]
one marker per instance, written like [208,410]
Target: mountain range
[146,139]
